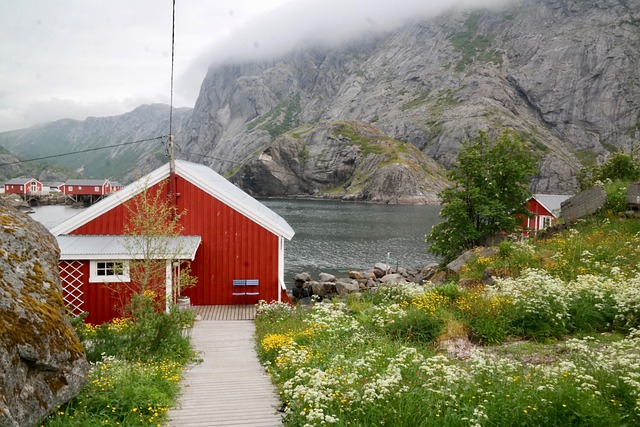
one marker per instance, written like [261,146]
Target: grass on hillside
[555,342]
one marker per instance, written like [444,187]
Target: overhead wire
[86,150]
[173,43]
[158,138]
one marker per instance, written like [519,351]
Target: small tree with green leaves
[490,189]
[620,166]
[154,222]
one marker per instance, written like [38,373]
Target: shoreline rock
[328,286]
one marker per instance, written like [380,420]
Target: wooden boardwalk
[225,312]
[229,387]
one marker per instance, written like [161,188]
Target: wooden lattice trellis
[71,277]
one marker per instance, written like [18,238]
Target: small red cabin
[88,187]
[236,243]
[23,186]
[545,209]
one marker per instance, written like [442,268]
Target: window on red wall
[109,271]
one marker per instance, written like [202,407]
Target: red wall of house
[536,208]
[22,188]
[14,189]
[87,190]
[232,247]
[99,301]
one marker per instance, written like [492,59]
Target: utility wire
[173,43]
[53,156]
[209,157]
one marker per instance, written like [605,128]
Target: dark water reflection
[337,236]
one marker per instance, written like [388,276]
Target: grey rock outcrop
[41,359]
[583,204]
[347,160]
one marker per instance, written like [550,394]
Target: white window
[546,221]
[79,187]
[71,188]
[109,271]
[96,189]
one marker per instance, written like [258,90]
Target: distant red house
[236,243]
[89,187]
[545,209]
[23,186]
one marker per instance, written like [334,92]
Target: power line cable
[288,173]
[189,153]
[173,43]
[87,150]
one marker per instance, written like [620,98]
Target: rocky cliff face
[41,359]
[561,73]
[348,160]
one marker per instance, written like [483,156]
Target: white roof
[201,176]
[551,202]
[114,247]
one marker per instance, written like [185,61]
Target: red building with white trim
[88,187]
[23,186]
[240,239]
[545,209]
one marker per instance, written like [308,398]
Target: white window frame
[96,189]
[545,221]
[70,188]
[95,268]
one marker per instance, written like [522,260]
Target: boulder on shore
[42,360]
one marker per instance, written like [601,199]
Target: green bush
[488,318]
[616,195]
[451,291]
[619,167]
[147,335]
[417,326]
[591,314]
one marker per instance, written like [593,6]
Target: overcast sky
[79,58]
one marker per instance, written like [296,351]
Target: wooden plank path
[229,387]
[225,312]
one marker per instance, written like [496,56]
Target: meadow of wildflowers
[552,345]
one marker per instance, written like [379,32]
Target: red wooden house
[88,187]
[23,186]
[545,209]
[236,243]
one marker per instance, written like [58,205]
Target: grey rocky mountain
[563,74]
[65,136]
[12,166]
